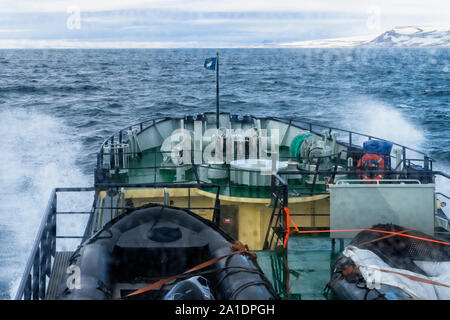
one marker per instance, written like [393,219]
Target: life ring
[371,161]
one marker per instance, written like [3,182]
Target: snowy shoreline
[409,36]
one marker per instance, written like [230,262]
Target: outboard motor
[195,288]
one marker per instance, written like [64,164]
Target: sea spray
[383,121]
[38,154]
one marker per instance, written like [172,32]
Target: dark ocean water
[57,106]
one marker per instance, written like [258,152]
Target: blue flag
[210,63]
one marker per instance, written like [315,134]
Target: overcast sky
[201,23]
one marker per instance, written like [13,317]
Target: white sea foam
[38,154]
[384,121]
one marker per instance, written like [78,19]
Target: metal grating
[60,265]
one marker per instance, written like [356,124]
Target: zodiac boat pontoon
[172,193]
[381,266]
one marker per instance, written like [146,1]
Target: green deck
[310,259]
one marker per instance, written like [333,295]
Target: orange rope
[288,288]
[288,218]
[381,238]
[392,233]
[374,230]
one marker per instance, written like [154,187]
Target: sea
[58,106]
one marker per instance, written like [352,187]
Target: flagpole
[217,89]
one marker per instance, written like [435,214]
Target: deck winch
[312,151]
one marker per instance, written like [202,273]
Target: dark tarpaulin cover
[378,147]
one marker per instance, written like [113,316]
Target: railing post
[277,221]
[285,204]
[112,154]
[48,253]
[404,157]
[426,167]
[285,195]
[286,234]
[272,184]
[35,275]
[99,156]
[266,238]
[53,227]
[216,214]
[315,176]
[229,180]
[189,198]
[154,164]
[27,289]
[335,167]
[42,267]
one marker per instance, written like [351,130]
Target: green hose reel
[296,145]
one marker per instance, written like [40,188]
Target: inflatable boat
[163,253]
[385,265]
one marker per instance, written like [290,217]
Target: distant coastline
[406,36]
[401,37]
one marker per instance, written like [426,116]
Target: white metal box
[357,206]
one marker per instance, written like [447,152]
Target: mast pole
[217,89]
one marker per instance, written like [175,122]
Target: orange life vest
[371,161]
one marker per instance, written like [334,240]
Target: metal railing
[309,188]
[443,195]
[160,185]
[39,266]
[299,123]
[309,126]
[381,181]
[36,276]
[425,162]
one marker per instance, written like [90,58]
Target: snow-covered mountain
[412,37]
[408,36]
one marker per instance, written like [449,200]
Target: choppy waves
[38,154]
